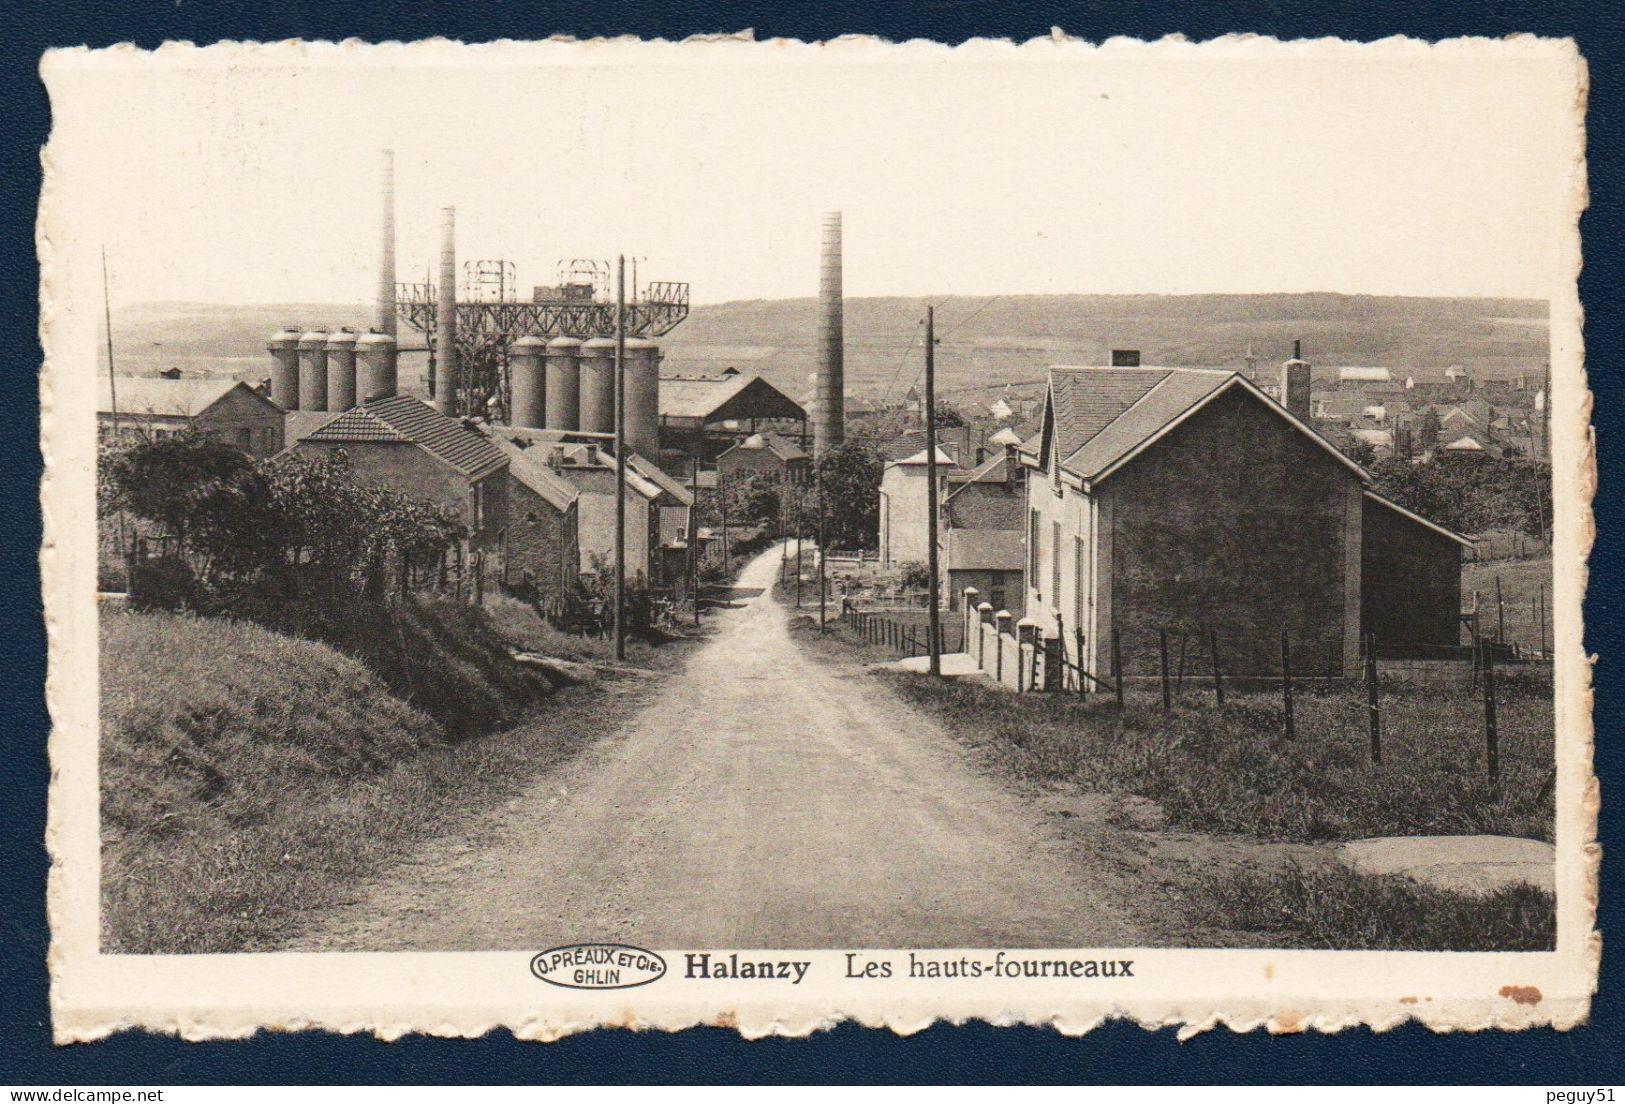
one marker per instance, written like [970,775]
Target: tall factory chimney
[445,331]
[385,322]
[829,397]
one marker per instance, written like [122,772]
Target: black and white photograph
[800,531]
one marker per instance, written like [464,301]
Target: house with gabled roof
[1186,501]
[765,454]
[544,519]
[158,406]
[982,538]
[405,444]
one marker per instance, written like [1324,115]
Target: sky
[225,177]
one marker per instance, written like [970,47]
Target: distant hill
[984,343]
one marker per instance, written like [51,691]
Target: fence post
[1286,684]
[1179,683]
[1500,614]
[1372,702]
[1001,620]
[1117,664]
[984,616]
[1492,740]
[1218,678]
[1167,691]
[1083,687]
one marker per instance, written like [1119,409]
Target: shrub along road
[759,800]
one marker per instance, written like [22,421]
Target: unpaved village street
[760,799]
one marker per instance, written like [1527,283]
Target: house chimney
[1295,388]
[1125,358]
[555,457]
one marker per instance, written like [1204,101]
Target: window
[245,439]
[1032,549]
[1055,563]
[995,590]
[479,507]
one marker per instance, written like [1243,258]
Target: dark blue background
[1116,1053]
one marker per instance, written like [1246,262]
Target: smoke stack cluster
[829,401]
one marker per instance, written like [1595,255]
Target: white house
[904,513]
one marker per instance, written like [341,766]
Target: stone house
[1186,500]
[404,444]
[982,526]
[156,407]
[765,454]
[544,544]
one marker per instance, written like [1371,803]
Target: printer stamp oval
[598,966]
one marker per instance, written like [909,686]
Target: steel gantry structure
[488,326]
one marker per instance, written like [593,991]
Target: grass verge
[1231,770]
[249,776]
[1347,911]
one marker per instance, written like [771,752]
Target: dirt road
[759,800]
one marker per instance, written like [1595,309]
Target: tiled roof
[1087,400]
[404,418]
[655,474]
[528,464]
[1100,440]
[782,447]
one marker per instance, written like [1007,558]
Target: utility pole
[694,536]
[620,459]
[935,623]
[107,314]
[819,473]
[112,385]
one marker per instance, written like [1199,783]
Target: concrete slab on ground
[1461,864]
[954,665]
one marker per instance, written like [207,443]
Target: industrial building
[228,409]
[1187,501]
[704,416]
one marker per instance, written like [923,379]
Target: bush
[163,583]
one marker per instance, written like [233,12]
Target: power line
[902,360]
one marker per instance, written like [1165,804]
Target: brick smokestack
[829,396]
[445,335]
[385,322]
[1295,384]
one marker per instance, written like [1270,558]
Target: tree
[205,495]
[850,473]
[1361,452]
[1427,437]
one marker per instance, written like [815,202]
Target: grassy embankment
[249,775]
[1231,771]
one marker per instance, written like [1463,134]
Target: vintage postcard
[564,534]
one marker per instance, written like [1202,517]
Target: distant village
[1115,500]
